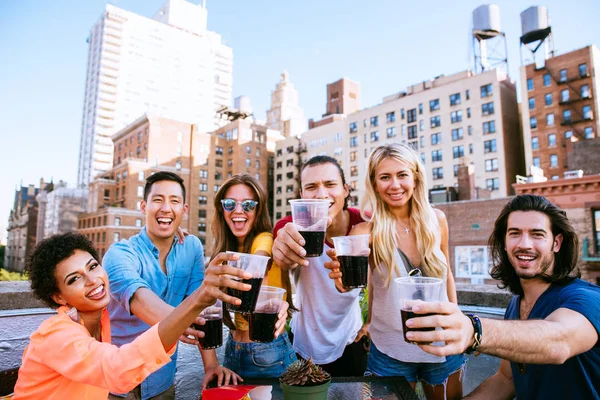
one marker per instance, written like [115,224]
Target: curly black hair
[47,255]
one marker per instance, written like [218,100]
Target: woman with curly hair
[241,223]
[70,355]
[407,233]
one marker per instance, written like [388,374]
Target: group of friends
[116,331]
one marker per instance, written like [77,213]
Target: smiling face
[530,244]
[239,221]
[82,283]
[394,182]
[323,181]
[164,209]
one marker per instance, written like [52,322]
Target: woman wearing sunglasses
[241,223]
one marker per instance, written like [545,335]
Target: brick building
[560,105]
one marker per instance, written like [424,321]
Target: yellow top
[262,242]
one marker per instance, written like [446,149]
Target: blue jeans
[259,360]
[381,364]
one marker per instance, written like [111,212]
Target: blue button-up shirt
[133,264]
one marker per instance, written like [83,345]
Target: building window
[353,155]
[486,90]
[457,134]
[202,213]
[536,162]
[219,163]
[435,121]
[548,99]
[375,121]
[456,169]
[390,117]
[455,99]
[216,188]
[564,95]
[438,173]
[423,158]
[219,150]
[203,174]
[468,112]
[289,162]
[116,237]
[201,227]
[203,187]
[566,116]
[547,80]
[468,94]
[202,200]
[354,170]
[412,132]
[391,132]
[421,125]
[489,146]
[434,105]
[289,188]
[493,183]
[585,91]
[178,164]
[587,112]
[535,145]
[420,108]
[553,161]
[568,134]
[412,115]
[248,162]
[456,116]
[353,127]
[491,165]
[550,119]
[458,151]
[583,70]
[436,155]
[289,175]
[140,191]
[402,113]
[353,141]
[562,75]
[436,138]
[588,132]
[141,176]
[487,108]
[138,222]
[532,103]
[596,231]
[117,221]
[552,140]
[422,140]
[489,127]
[257,164]
[374,136]
[403,130]
[530,84]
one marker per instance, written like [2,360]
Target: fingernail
[416,308]
[302,253]
[302,242]
[410,322]
[305,263]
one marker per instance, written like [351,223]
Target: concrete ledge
[16,295]
[482,295]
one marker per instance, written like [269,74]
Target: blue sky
[383,44]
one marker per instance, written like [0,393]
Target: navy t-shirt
[579,376]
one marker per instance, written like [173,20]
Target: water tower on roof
[536,33]
[489,42]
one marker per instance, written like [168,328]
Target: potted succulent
[305,380]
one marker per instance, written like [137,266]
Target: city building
[560,106]
[343,97]
[59,209]
[169,65]
[461,119]
[22,227]
[285,114]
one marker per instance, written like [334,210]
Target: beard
[546,263]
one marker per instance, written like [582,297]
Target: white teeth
[96,291]
[239,219]
[167,220]
[526,258]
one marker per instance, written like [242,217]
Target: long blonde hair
[422,217]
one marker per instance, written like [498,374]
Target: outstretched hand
[336,273]
[219,276]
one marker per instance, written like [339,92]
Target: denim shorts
[431,373]
[259,360]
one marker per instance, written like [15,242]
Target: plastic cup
[213,328]
[263,319]
[413,290]
[353,254]
[257,266]
[310,216]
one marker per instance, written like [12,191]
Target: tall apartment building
[22,227]
[59,209]
[285,114]
[461,119]
[560,106]
[343,97]
[169,65]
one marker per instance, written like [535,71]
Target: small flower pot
[318,392]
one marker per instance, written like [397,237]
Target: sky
[385,45]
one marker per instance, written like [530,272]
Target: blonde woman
[406,233]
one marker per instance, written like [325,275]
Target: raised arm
[288,252]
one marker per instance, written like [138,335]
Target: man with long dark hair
[548,341]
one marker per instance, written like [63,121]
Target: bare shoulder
[364,228]
[441,217]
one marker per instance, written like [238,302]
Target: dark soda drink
[213,333]
[262,326]
[313,243]
[248,298]
[354,271]
[407,314]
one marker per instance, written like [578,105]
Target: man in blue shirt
[150,274]
[548,341]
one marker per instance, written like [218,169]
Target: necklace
[405,229]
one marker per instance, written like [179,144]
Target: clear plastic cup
[256,265]
[263,319]
[415,289]
[310,217]
[213,328]
[353,254]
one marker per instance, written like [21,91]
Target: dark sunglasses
[231,204]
